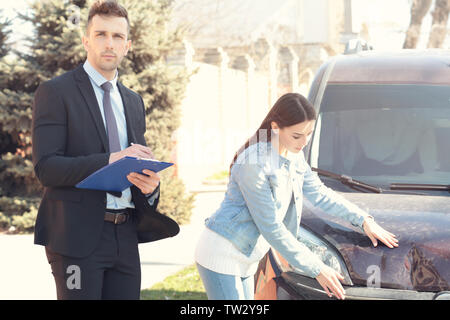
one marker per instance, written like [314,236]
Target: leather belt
[117,216]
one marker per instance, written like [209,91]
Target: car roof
[401,67]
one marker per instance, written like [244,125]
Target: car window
[383,134]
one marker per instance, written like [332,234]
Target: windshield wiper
[418,186]
[347,180]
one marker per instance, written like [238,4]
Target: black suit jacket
[69,143]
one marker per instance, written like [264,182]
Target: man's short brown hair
[107,8]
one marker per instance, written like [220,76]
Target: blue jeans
[220,286]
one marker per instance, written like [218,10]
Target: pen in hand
[134,150]
[148,154]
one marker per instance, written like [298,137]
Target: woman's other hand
[330,279]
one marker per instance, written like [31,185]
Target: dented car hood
[422,226]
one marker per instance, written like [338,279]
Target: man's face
[106,43]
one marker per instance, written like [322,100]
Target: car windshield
[383,134]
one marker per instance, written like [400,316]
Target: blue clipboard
[113,177]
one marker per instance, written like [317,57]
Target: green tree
[4,35]
[18,207]
[5,46]
[55,48]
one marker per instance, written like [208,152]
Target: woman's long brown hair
[290,109]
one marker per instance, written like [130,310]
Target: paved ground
[25,273]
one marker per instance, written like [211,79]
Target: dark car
[382,141]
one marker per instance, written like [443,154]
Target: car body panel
[397,67]
[421,224]
[274,281]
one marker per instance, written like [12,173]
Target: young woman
[263,204]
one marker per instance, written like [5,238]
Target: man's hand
[135,150]
[146,182]
[374,231]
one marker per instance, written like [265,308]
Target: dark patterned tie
[111,125]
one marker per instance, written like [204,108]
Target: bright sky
[387,20]
[9,9]
[9,6]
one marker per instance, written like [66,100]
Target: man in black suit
[82,121]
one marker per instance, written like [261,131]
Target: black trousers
[111,272]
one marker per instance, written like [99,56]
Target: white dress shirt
[125,201]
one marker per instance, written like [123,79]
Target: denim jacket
[265,197]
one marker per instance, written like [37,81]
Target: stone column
[182,56]
[265,56]
[245,63]
[189,55]
[219,58]
[288,75]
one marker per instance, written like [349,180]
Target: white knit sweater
[218,254]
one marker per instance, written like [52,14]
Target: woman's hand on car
[375,232]
[330,279]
